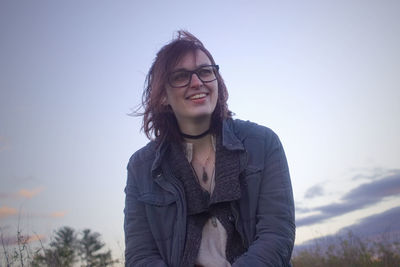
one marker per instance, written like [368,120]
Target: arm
[140,247]
[275,227]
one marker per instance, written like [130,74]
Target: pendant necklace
[204,176]
[205,179]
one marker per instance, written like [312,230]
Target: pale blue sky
[325,75]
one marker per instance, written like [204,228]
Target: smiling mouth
[197,96]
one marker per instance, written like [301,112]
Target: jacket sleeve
[140,247]
[275,221]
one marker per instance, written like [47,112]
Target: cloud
[7,211]
[34,238]
[58,214]
[22,193]
[301,209]
[385,222]
[360,197]
[26,193]
[11,240]
[382,226]
[314,191]
[371,174]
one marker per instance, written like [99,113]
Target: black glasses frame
[191,72]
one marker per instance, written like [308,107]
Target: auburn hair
[159,121]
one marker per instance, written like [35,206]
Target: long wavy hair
[159,121]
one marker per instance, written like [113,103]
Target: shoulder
[247,129]
[260,142]
[139,166]
[256,139]
[144,155]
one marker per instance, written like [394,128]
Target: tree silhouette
[62,251]
[65,244]
[69,248]
[89,250]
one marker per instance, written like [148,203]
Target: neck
[201,146]
[194,128]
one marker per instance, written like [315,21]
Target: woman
[208,190]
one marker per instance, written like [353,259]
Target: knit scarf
[201,206]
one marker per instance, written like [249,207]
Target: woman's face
[198,99]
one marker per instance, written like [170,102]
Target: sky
[324,75]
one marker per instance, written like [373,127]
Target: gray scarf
[201,206]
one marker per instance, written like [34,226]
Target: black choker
[195,136]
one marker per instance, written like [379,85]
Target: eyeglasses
[182,78]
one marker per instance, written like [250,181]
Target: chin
[201,115]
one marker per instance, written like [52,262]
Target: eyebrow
[198,67]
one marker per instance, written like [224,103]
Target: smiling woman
[207,190]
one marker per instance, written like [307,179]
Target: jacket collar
[229,140]
[160,150]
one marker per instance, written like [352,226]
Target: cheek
[173,101]
[169,97]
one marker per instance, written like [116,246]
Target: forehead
[192,60]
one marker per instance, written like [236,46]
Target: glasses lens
[179,78]
[207,73]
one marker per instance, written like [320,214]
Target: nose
[195,81]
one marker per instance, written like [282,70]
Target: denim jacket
[155,205]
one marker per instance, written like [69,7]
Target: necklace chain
[203,166]
[206,160]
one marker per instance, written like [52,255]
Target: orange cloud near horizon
[7,211]
[9,240]
[58,214]
[26,193]
[34,238]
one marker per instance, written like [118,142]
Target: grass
[350,250]
[340,251]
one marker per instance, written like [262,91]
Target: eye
[179,76]
[205,72]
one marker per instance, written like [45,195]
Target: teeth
[197,96]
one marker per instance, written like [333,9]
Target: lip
[197,96]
